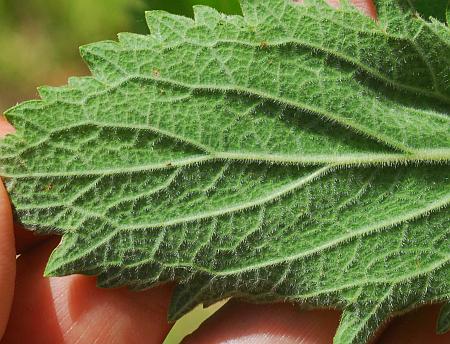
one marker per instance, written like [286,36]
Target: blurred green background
[39,42]
[39,39]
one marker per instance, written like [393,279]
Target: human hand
[72,310]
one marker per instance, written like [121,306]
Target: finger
[5,127]
[7,259]
[416,327]
[240,323]
[25,240]
[72,309]
[366,6]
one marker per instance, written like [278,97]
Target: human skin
[73,310]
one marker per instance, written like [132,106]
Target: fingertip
[72,308]
[241,323]
[26,240]
[416,327]
[110,315]
[7,245]
[5,127]
[7,259]
[367,7]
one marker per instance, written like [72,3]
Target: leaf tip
[53,267]
[50,271]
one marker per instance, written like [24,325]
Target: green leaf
[297,153]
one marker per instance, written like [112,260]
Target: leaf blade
[255,156]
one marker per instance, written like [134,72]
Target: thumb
[365,6]
[7,247]
[7,259]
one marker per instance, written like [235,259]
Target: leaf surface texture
[295,153]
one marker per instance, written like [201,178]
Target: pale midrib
[412,215]
[359,283]
[367,230]
[297,42]
[344,160]
[280,192]
[313,296]
[359,129]
[195,160]
[366,282]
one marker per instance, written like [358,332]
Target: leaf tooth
[359,322]
[49,93]
[167,27]
[102,58]
[135,41]
[64,94]
[87,84]
[257,10]
[17,115]
[205,15]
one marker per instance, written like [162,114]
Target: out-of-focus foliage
[39,39]
[182,7]
[431,8]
